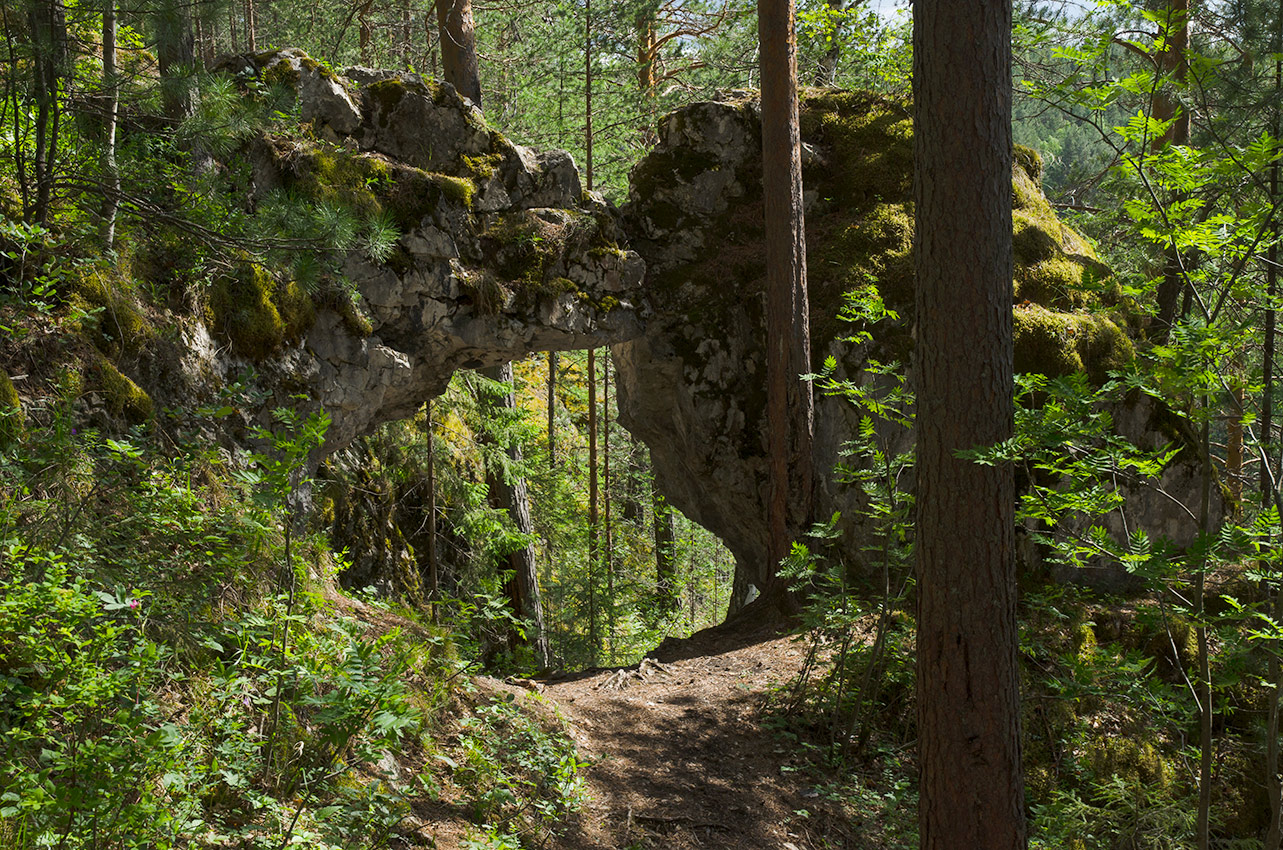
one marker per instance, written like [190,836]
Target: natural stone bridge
[502,254]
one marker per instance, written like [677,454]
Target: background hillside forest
[207,639]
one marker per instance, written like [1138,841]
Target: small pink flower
[135,604]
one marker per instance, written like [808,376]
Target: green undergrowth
[178,667]
[1107,719]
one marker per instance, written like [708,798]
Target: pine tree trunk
[176,59]
[48,24]
[588,151]
[790,417]
[608,541]
[593,640]
[434,567]
[552,410]
[459,48]
[968,684]
[251,27]
[1274,836]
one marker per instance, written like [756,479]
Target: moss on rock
[123,397]
[12,420]
[1056,344]
[257,313]
[117,327]
[412,194]
[1135,762]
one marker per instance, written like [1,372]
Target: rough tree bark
[1274,835]
[50,64]
[594,640]
[459,48]
[552,410]
[176,60]
[790,408]
[968,680]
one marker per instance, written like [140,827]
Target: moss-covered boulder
[693,387]
[463,249]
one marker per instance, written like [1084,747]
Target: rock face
[500,253]
[692,387]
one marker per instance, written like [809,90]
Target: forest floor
[680,752]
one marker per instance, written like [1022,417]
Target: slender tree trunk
[434,567]
[826,73]
[1274,836]
[509,493]
[1172,61]
[251,27]
[111,90]
[1206,713]
[608,540]
[790,417]
[552,410]
[459,48]
[592,504]
[665,552]
[365,34]
[968,683]
[48,25]
[588,152]
[1234,439]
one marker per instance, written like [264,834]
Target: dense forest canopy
[226,621]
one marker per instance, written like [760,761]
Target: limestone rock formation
[500,252]
[692,387]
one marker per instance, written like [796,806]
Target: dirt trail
[680,758]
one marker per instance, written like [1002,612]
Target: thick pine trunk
[459,48]
[176,60]
[788,341]
[968,680]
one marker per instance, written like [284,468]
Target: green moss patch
[1057,344]
[1135,762]
[257,313]
[117,326]
[412,194]
[12,421]
[124,398]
